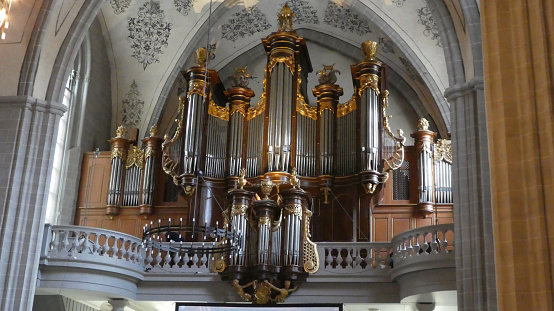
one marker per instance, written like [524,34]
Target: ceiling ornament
[184,6]
[303,12]
[132,107]
[119,6]
[410,70]
[244,24]
[426,19]
[148,33]
[387,46]
[345,19]
[399,3]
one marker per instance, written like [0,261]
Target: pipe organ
[261,177]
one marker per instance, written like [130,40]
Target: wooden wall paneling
[97,172]
[400,224]
[381,228]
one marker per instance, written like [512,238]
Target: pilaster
[28,129]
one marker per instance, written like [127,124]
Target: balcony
[112,264]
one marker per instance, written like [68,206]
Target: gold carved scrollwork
[443,150]
[264,221]
[237,209]
[196,87]
[396,160]
[255,111]
[238,108]
[118,152]
[218,111]
[135,157]
[311,263]
[326,105]
[169,164]
[369,80]
[150,152]
[301,106]
[295,209]
[346,108]
[287,60]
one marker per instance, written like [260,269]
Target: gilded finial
[369,48]
[423,124]
[285,18]
[153,130]
[267,185]
[242,180]
[294,181]
[120,132]
[200,57]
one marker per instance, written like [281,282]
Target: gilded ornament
[304,109]
[238,209]
[118,152]
[294,181]
[267,185]
[135,157]
[218,111]
[369,80]
[285,19]
[242,180]
[238,108]
[294,208]
[200,57]
[287,60]
[311,263]
[150,152]
[264,221]
[120,132]
[326,105]
[196,87]
[423,125]
[153,130]
[346,108]
[369,48]
[443,150]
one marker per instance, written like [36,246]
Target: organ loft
[251,187]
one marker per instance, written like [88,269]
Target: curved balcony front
[101,264]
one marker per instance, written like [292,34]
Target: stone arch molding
[89,9]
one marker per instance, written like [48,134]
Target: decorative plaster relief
[303,13]
[245,23]
[344,19]
[119,6]
[410,69]
[399,3]
[386,45]
[184,6]
[148,33]
[132,107]
[426,19]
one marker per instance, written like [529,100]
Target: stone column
[519,75]
[28,130]
[475,271]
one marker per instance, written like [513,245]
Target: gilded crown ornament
[369,48]
[153,130]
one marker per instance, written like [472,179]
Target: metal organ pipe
[120,145]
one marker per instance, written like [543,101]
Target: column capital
[33,103]
[458,90]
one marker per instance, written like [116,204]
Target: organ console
[275,174]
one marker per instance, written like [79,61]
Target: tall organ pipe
[151,163]
[237,135]
[120,146]
[424,146]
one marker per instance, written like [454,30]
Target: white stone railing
[76,242]
[354,256]
[429,241]
[90,245]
